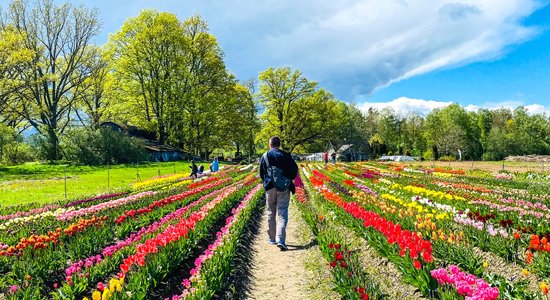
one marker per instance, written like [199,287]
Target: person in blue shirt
[277,201]
[214,166]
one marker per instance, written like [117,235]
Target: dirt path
[282,275]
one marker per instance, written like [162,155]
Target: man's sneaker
[282,246]
[272,242]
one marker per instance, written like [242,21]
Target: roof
[344,148]
[396,158]
[155,147]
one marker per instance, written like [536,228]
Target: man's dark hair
[275,141]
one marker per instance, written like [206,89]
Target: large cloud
[371,44]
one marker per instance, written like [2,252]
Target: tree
[14,56]
[95,102]
[484,125]
[391,129]
[450,129]
[146,55]
[413,138]
[172,78]
[240,122]
[295,108]
[59,37]
[347,127]
[377,145]
[204,89]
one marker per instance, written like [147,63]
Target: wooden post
[108,175]
[65,182]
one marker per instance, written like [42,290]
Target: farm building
[156,151]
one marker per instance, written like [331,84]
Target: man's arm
[292,168]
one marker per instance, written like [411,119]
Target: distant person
[201,169]
[333,157]
[194,169]
[326,158]
[277,170]
[215,165]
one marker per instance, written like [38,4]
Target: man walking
[277,170]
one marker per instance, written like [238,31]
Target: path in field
[278,274]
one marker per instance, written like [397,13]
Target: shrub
[447,158]
[12,148]
[428,155]
[17,153]
[94,147]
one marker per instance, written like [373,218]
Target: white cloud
[537,109]
[404,105]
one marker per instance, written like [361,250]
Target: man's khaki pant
[277,204]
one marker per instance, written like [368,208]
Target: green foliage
[168,76]
[296,110]
[12,148]
[13,56]
[95,147]
[347,127]
[428,155]
[447,158]
[450,130]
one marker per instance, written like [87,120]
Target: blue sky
[407,54]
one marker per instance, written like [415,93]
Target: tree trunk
[162,134]
[52,153]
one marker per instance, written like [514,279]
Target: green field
[45,183]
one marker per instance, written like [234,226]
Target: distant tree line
[168,76]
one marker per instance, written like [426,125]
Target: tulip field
[435,233]
[444,233]
[131,246]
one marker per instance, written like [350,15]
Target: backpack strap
[266,159]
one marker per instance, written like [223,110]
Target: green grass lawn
[45,183]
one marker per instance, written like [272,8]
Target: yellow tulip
[106,294]
[96,295]
[485,264]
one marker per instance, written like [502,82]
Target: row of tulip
[215,263]
[350,279]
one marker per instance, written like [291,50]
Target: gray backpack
[280,181]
